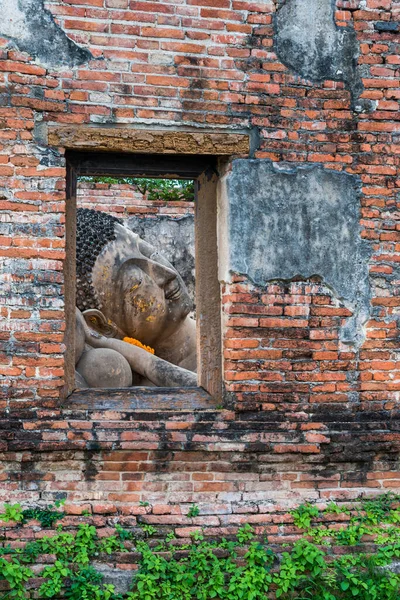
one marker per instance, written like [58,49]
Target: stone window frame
[137,152]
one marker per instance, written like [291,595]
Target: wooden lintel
[147,141]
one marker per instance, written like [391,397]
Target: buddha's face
[139,290]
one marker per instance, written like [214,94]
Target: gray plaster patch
[288,223]
[308,41]
[121,579]
[393,567]
[33,29]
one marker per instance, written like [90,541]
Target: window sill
[140,398]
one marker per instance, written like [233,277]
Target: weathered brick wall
[122,201]
[311,416]
[268,522]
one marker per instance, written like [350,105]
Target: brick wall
[122,201]
[310,417]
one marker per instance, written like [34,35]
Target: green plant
[197,536]
[304,514]
[55,577]
[86,584]
[111,544]
[245,533]
[169,537]
[335,509]
[241,568]
[12,512]
[301,569]
[194,511]
[16,575]
[123,534]
[147,529]
[350,535]
[46,516]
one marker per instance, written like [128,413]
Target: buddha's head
[125,278]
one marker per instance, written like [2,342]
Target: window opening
[135,283]
[135,292]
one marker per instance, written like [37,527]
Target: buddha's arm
[157,370]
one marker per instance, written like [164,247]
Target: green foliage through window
[154,189]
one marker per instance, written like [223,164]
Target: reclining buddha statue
[132,317]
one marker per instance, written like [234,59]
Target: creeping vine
[243,567]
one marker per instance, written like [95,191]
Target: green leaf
[345,585]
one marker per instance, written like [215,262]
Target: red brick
[282,341]
[302,448]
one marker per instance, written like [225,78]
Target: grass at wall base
[328,562]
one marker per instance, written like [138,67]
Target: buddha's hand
[160,372]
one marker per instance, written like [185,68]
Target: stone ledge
[141,398]
[124,139]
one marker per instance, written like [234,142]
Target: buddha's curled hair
[94,229]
